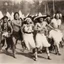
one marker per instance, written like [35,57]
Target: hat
[28,20]
[40,16]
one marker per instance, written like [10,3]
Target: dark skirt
[17,35]
[9,41]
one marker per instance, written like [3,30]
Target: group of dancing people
[35,33]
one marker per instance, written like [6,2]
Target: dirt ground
[26,57]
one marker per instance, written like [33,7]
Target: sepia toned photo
[31,31]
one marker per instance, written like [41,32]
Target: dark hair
[37,20]
[5,17]
[15,14]
[48,16]
[56,14]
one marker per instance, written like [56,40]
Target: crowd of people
[35,33]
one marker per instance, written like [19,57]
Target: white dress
[56,22]
[56,34]
[28,38]
[41,40]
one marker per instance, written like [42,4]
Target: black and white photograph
[31,31]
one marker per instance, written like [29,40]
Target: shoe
[56,53]
[59,54]
[35,59]
[14,56]
[49,58]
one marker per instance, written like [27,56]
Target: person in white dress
[28,35]
[55,33]
[41,40]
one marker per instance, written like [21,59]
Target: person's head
[60,15]
[5,19]
[57,16]
[48,18]
[41,19]
[16,15]
[28,20]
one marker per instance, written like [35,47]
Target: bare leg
[47,50]
[58,49]
[35,54]
[2,42]
[13,47]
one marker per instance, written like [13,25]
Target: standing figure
[41,40]
[7,34]
[28,29]
[55,33]
[16,25]
[49,28]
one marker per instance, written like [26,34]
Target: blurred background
[32,6]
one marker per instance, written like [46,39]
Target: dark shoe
[35,59]
[14,56]
[55,53]
[49,58]
[59,54]
[6,50]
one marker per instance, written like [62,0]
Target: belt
[28,32]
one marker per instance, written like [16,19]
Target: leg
[2,42]
[47,50]
[61,44]
[58,49]
[7,47]
[13,50]
[27,44]
[23,46]
[8,43]
[13,46]
[33,46]
[35,54]
[14,41]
